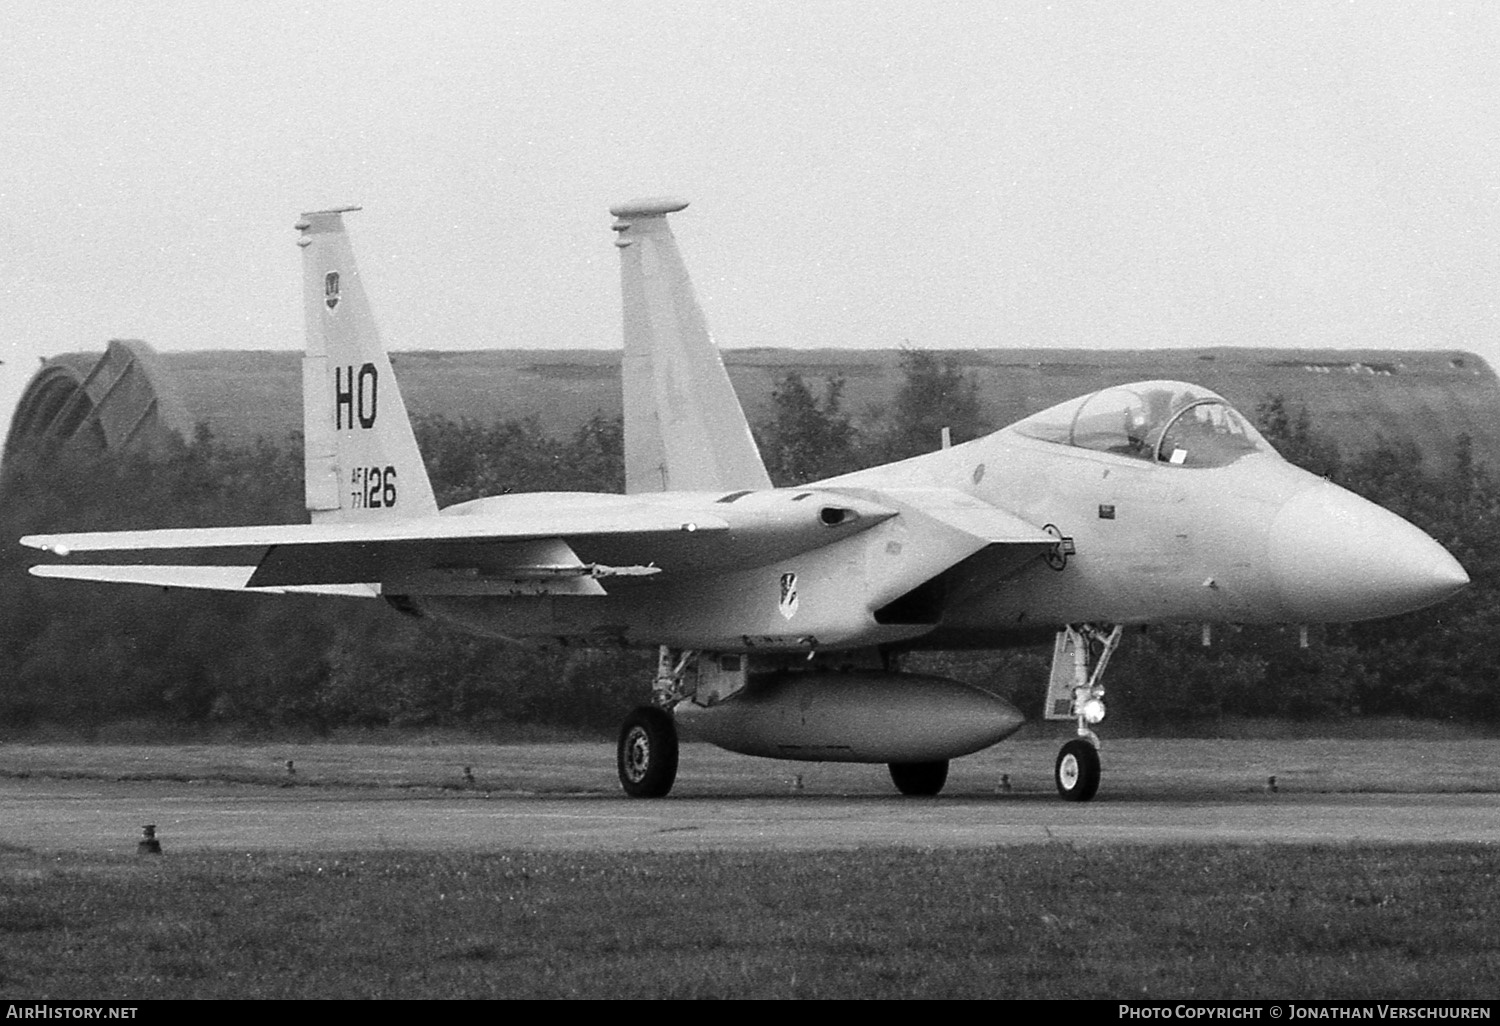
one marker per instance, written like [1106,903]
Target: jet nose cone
[1339,558]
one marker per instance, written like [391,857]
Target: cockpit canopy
[1162,421]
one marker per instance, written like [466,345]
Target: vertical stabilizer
[362,461]
[684,428]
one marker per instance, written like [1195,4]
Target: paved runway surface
[479,797]
[106,817]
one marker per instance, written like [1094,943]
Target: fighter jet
[779,615]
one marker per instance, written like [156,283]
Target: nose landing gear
[1074,692]
[1077,771]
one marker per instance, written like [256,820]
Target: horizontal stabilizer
[203,578]
[534,567]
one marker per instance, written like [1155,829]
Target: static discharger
[654,207]
[304,224]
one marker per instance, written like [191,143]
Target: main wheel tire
[647,753]
[919,778]
[1077,771]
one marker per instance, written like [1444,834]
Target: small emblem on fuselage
[788,602]
[331,289]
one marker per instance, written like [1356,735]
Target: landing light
[1093,711]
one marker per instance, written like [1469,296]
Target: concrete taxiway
[478,797]
[106,817]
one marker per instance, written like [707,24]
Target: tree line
[86,656]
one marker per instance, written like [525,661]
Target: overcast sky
[867,174]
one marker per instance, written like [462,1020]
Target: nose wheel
[1077,771]
[1075,692]
[647,753]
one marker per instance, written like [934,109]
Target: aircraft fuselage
[1255,541]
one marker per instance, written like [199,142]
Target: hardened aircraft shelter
[131,394]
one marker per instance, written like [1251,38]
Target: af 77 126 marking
[372,487]
[780,615]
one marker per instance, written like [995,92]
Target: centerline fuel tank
[851,716]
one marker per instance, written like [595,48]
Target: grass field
[1040,922]
[1051,920]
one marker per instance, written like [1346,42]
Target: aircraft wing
[519,550]
[541,544]
[530,524]
[536,543]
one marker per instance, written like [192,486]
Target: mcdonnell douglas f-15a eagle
[779,614]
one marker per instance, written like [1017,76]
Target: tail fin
[362,461]
[684,428]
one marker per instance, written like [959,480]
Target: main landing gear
[1074,692]
[647,752]
[646,755]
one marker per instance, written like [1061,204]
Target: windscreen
[1161,421]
